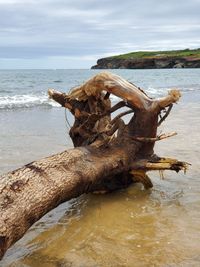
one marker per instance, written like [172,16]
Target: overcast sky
[75,33]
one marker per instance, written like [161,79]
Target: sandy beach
[132,227]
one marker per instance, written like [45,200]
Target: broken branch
[153,139]
[166,114]
[160,164]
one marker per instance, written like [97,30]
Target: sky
[75,33]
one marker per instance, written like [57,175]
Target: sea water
[132,227]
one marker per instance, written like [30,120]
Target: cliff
[152,60]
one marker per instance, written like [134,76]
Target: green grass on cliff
[148,54]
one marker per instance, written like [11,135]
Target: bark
[108,154]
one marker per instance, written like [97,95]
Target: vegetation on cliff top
[194,53]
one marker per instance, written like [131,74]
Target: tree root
[153,139]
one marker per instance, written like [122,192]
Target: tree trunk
[106,161]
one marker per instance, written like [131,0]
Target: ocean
[132,227]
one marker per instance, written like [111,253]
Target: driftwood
[108,153]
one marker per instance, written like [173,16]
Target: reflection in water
[132,227]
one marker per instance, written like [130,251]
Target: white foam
[151,91]
[32,100]
[26,101]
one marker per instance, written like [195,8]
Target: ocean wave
[26,101]
[34,100]
[31,100]
[155,92]
[161,91]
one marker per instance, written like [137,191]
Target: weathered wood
[108,161]
[30,192]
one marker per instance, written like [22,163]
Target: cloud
[33,32]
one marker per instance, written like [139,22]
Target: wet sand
[132,227]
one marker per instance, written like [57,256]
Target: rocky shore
[156,62]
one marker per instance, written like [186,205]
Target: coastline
[152,60]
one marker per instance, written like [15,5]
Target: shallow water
[132,227]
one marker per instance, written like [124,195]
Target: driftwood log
[108,153]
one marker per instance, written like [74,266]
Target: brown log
[30,192]
[106,162]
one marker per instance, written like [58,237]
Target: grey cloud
[80,29]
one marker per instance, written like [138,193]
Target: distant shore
[152,60]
